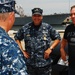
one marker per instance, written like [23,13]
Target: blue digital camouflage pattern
[37,41]
[11,58]
[7,6]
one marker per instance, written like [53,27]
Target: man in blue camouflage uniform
[37,37]
[11,57]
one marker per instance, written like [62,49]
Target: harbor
[57,21]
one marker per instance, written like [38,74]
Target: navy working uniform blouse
[37,39]
[11,57]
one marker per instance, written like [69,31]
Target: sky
[48,6]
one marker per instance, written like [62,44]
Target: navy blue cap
[7,6]
[37,11]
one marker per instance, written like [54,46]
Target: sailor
[11,57]
[37,36]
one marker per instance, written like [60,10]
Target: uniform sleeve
[14,64]
[19,35]
[54,34]
[65,34]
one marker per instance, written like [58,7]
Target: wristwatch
[51,48]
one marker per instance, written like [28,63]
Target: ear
[10,17]
[11,14]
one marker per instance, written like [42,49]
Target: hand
[47,53]
[26,54]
